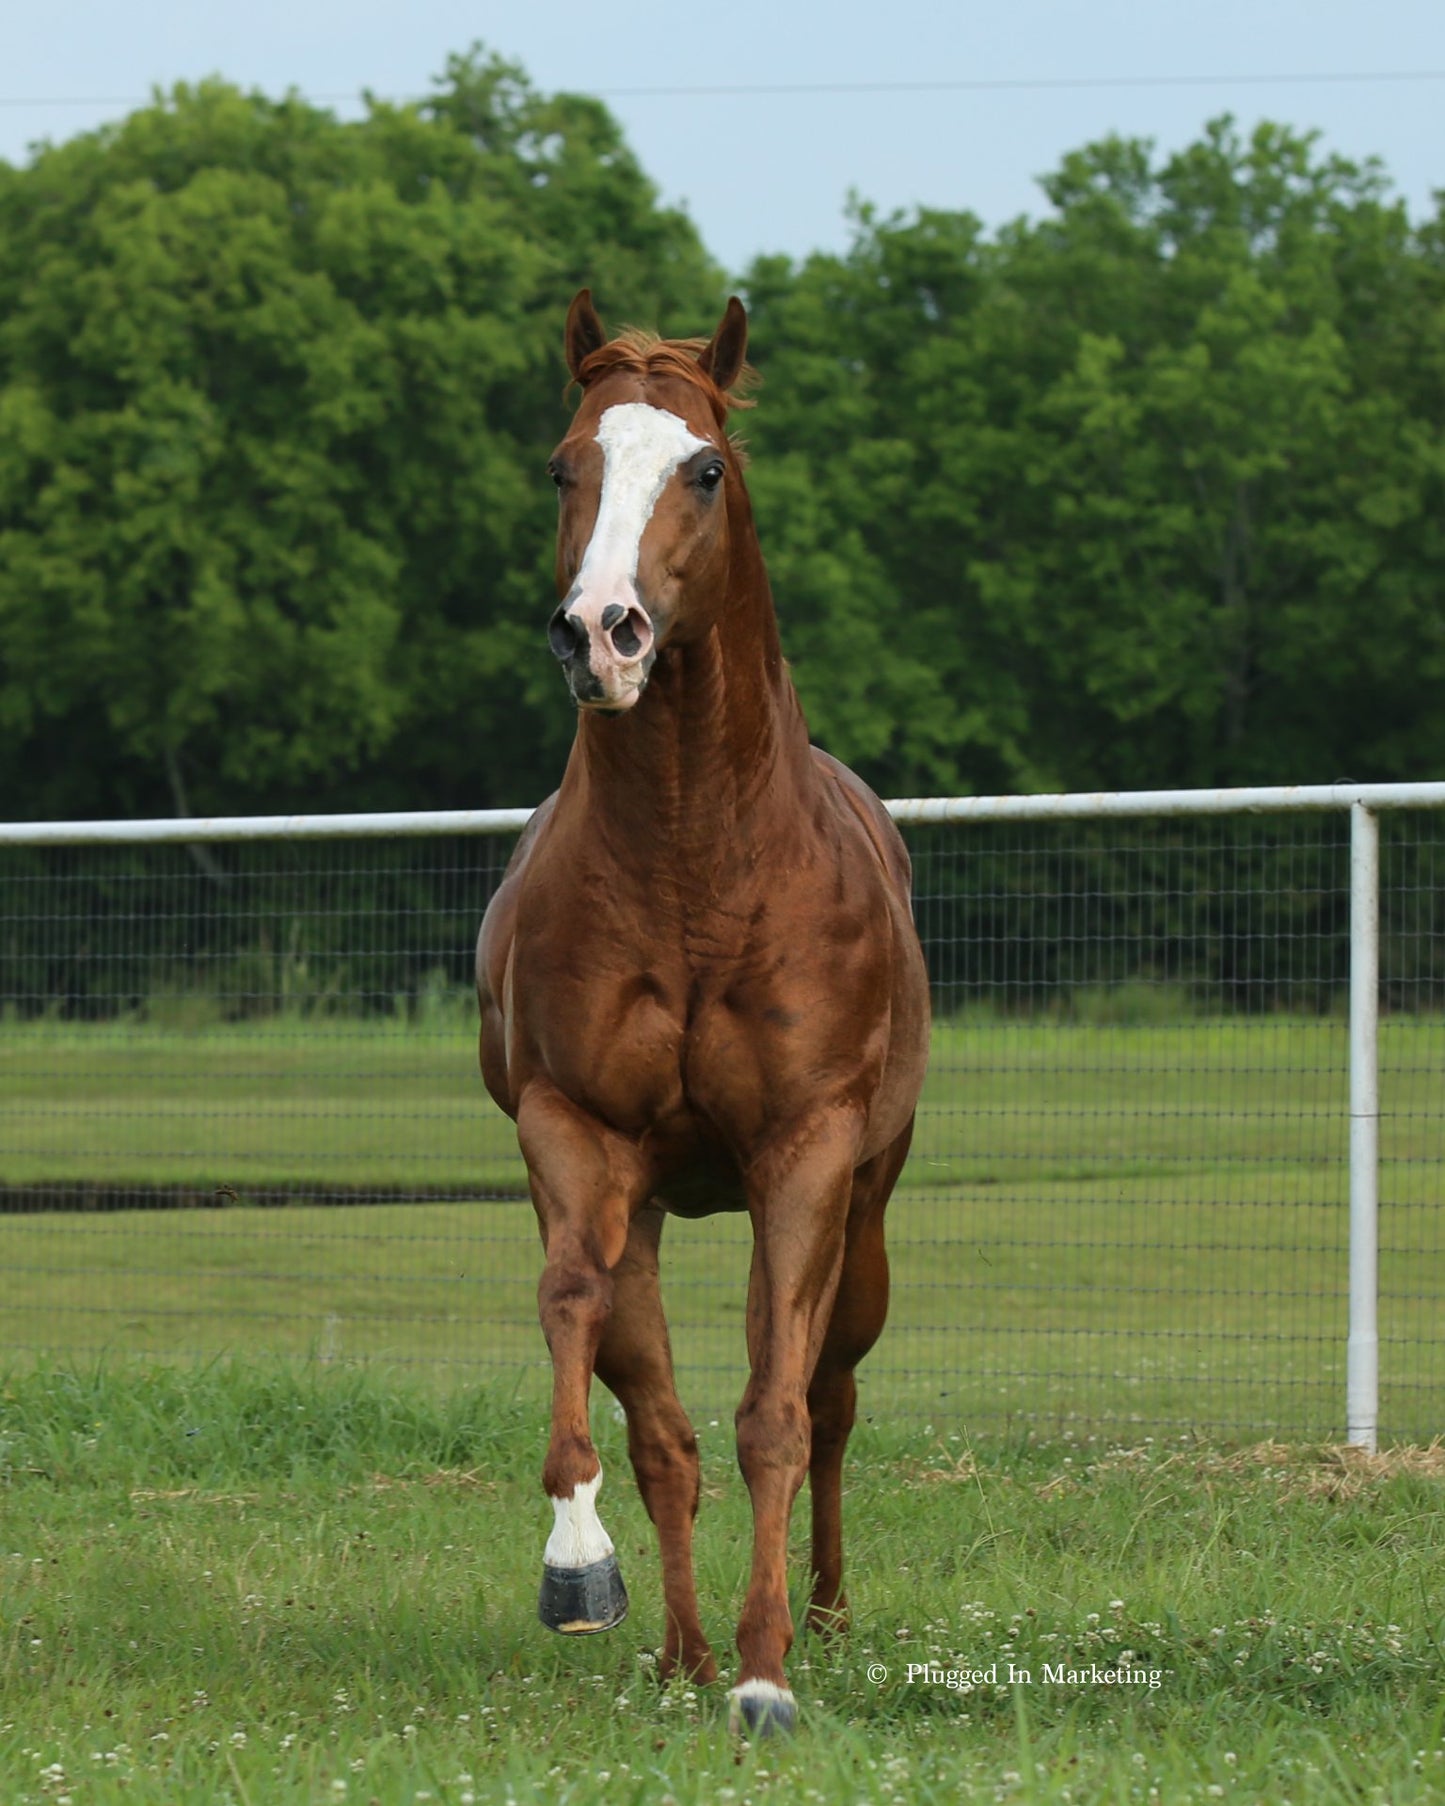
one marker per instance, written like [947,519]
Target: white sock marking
[577,1538]
[764,1690]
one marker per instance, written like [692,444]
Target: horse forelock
[635,352]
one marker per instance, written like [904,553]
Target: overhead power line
[987,84]
[979,85]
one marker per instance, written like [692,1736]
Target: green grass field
[1132,1222]
[262,1583]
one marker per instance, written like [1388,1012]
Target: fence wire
[240,1113]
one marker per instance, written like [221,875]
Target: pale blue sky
[767,172]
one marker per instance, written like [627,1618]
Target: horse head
[648,485]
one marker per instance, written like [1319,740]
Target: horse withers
[701,990]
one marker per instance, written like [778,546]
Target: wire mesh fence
[240,1113]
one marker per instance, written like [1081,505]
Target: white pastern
[577,1538]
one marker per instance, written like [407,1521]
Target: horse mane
[642,353]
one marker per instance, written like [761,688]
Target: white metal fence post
[1362,1368]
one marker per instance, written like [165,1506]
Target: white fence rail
[1362,803]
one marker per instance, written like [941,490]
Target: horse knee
[773,1433]
[574,1292]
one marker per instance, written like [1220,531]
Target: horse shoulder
[494,956]
[878,823]
[494,942]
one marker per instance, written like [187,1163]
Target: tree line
[1146,491]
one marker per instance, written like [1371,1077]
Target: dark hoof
[579,1602]
[761,1709]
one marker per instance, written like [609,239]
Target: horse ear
[722,358]
[585,332]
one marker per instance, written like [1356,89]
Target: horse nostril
[611,615]
[564,634]
[624,629]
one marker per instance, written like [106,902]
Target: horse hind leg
[832,1402]
[859,1311]
[634,1360]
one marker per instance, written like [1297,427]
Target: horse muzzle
[606,650]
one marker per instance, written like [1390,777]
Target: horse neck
[710,757]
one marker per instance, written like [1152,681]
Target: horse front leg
[799,1203]
[586,1181]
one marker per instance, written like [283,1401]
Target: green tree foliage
[275,397]
[1148,491]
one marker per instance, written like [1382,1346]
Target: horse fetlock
[686,1654]
[571,1462]
[765,1635]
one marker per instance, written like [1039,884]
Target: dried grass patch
[190,1495]
[943,1470]
[1315,1471]
[463,1479]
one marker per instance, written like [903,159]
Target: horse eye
[557,474]
[710,476]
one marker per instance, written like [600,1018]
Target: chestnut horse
[701,990]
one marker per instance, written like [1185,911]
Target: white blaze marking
[641,447]
[577,1538]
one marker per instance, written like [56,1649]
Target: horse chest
[703,1012]
[686,1050]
